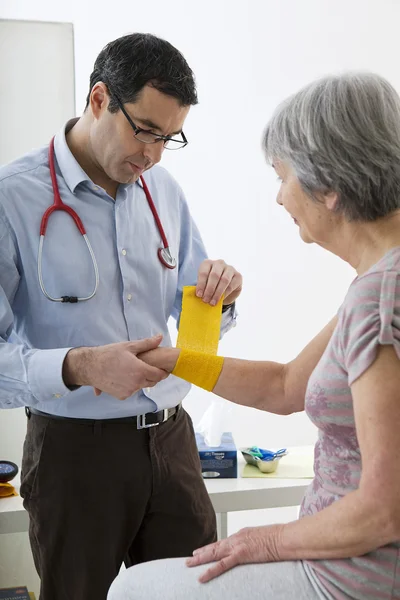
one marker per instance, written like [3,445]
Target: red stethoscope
[164,254]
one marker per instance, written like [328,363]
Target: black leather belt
[142,421]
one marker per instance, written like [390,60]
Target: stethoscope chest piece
[166,258]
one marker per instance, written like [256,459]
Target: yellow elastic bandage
[199,327]
[199,368]
[198,338]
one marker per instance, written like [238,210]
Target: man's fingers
[216,279]
[213,280]
[146,344]
[202,277]
[234,286]
[153,375]
[223,285]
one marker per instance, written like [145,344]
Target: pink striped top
[369,316]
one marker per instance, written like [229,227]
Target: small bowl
[265,466]
[268,466]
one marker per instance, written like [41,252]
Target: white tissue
[215,422]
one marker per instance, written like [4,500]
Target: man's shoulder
[160,177]
[22,168]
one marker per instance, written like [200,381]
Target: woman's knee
[155,580]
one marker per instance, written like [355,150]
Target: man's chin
[127,179]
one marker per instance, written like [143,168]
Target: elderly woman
[335,146]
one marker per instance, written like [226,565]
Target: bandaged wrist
[199,368]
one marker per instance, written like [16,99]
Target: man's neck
[78,142]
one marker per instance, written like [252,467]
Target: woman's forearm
[271,386]
[249,383]
[258,384]
[264,385]
[354,525]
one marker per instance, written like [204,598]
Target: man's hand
[216,278]
[114,368]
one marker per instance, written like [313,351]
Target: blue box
[15,593]
[219,461]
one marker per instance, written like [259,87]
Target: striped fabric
[369,316]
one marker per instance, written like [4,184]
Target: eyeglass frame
[158,137]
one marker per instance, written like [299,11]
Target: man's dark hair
[129,63]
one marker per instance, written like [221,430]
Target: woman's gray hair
[342,134]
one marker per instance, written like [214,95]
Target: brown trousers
[102,493]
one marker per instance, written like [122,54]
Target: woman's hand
[163,358]
[250,545]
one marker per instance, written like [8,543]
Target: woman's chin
[305,237]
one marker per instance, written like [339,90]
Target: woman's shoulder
[380,279]
[389,262]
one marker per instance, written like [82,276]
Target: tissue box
[219,461]
[17,593]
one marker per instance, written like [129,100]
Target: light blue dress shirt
[136,294]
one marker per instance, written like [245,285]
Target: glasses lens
[174,144]
[151,138]
[147,137]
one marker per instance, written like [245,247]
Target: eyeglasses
[148,137]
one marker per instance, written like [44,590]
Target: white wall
[37,96]
[247,56]
[33,100]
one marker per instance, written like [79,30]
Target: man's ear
[99,99]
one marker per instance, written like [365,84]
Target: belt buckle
[141,420]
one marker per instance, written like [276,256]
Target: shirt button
[124,251]
[129,296]
[56,395]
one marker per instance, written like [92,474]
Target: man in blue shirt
[110,470]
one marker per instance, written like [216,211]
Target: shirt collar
[71,170]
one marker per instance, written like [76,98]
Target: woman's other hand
[250,545]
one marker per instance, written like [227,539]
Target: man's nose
[153,152]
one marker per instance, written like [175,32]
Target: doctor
[115,476]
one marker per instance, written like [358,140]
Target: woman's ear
[331,200]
